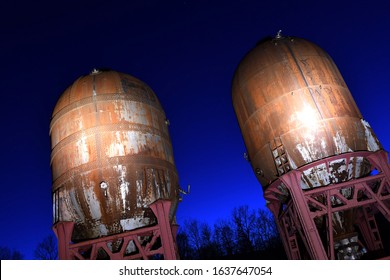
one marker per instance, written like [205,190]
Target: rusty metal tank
[294,108]
[111,155]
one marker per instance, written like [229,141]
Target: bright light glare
[308,117]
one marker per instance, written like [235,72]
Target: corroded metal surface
[294,108]
[343,214]
[111,155]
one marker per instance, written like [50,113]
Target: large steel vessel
[294,108]
[111,155]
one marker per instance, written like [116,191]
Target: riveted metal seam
[108,128]
[103,97]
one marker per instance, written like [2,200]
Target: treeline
[8,254]
[45,250]
[247,234]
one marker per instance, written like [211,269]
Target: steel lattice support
[306,218]
[143,243]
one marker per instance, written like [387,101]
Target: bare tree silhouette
[8,254]
[47,249]
[248,234]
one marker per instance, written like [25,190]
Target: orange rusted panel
[111,155]
[293,108]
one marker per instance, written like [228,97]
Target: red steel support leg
[175,229]
[274,206]
[367,235]
[161,209]
[329,222]
[291,239]
[163,230]
[316,248]
[369,230]
[63,231]
[380,161]
[305,206]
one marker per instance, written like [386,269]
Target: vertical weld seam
[94,91]
[311,94]
[304,79]
[98,134]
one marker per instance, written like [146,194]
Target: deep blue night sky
[187,52]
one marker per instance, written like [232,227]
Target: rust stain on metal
[294,108]
[111,155]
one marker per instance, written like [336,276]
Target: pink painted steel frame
[295,217]
[162,240]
